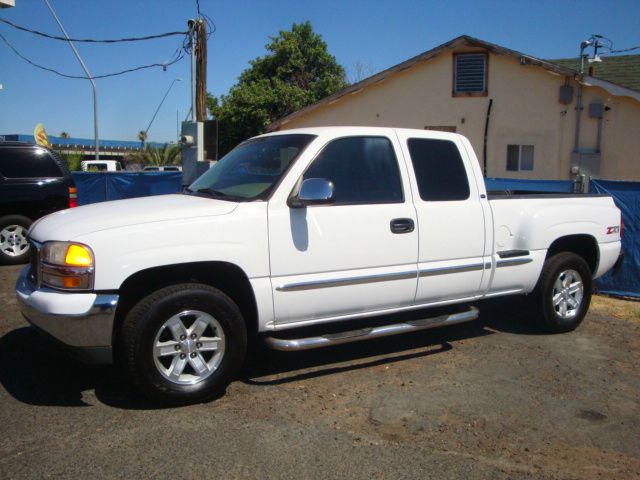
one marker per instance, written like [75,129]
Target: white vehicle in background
[306,228]
[162,168]
[100,166]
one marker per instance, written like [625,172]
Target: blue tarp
[626,195]
[551,186]
[97,187]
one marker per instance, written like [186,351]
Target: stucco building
[526,117]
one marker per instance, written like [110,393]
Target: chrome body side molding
[512,262]
[385,277]
[311,285]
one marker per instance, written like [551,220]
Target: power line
[92,40]
[625,49]
[177,56]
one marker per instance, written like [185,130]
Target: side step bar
[295,344]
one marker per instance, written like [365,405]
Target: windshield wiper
[212,192]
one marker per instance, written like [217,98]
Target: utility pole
[192,137]
[90,77]
[192,45]
[201,71]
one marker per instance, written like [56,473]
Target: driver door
[346,259]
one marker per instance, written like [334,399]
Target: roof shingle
[623,69]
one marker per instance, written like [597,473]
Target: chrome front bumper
[82,321]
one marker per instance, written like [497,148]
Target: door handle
[402,225]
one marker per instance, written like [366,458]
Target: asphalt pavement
[491,399]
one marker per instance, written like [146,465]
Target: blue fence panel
[98,187]
[91,187]
[551,186]
[626,195]
[132,185]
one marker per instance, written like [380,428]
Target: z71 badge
[611,230]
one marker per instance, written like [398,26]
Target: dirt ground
[491,399]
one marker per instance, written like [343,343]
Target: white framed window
[519,157]
[470,74]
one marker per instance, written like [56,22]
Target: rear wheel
[184,343]
[14,248]
[563,293]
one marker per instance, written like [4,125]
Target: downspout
[576,146]
[484,145]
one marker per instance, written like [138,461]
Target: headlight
[67,265]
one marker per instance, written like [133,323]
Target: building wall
[525,111]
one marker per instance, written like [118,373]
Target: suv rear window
[21,162]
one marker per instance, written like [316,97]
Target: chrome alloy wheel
[568,291]
[13,240]
[188,347]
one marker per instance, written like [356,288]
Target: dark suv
[34,182]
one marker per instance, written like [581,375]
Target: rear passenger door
[347,258]
[451,223]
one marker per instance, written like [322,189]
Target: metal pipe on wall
[576,145]
[486,132]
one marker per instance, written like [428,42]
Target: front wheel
[183,344]
[563,293]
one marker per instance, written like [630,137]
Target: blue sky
[377,34]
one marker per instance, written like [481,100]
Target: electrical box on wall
[211,140]
[566,94]
[191,139]
[587,163]
[596,110]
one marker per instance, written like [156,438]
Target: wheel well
[226,277]
[582,245]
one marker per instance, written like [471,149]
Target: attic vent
[470,73]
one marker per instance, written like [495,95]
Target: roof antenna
[593,41]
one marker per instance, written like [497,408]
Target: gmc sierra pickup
[310,227]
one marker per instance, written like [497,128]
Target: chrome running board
[295,344]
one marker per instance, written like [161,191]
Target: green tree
[64,135]
[72,159]
[297,71]
[142,136]
[165,155]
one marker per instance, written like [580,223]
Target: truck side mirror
[313,191]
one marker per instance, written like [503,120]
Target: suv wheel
[14,248]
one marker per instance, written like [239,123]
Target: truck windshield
[252,169]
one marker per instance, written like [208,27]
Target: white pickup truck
[311,227]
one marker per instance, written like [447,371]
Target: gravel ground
[490,399]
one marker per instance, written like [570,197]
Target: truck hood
[71,223]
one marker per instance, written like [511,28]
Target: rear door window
[18,162]
[439,169]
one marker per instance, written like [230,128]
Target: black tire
[9,252]
[552,316]
[141,330]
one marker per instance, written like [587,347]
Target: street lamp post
[161,102]
[89,77]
